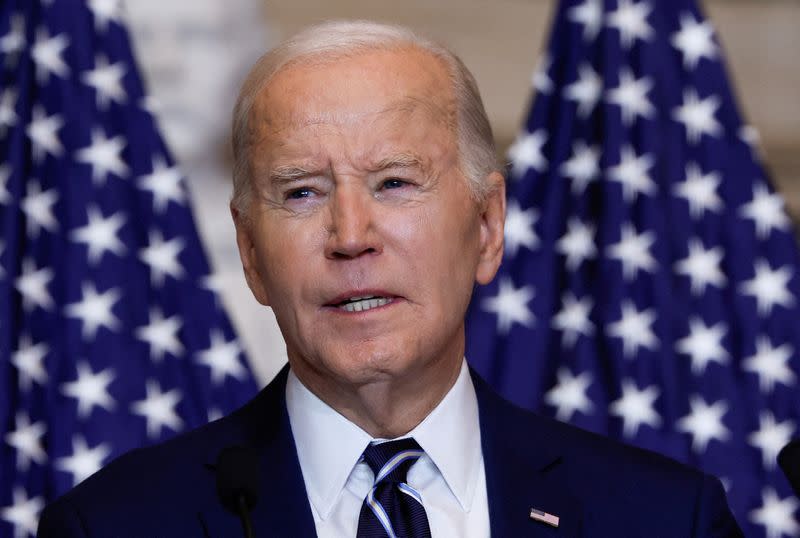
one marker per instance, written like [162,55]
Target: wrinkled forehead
[396,85]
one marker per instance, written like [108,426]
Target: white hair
[337,39]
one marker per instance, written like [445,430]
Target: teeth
[361,304]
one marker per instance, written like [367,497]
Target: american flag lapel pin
[544,517]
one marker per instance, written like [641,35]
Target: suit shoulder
[592,453]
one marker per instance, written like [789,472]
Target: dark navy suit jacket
[597,487]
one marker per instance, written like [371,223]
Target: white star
[94,310]
[698,116]
[23,514]
[541,79]
[214,283]
[105,11]
[699,190]
[165,184]
[569,394]
[104,156]
[776,515]
[510,305]
[152,105]
[771,437]
[704,345]
[702,267]
[766,211]
[634,252]
[38,208]
[46,53]
[223,358]
[13,42]
[590,15]
[635,407]
[770,364]
[27,441]
[750,136]
[704,423]
[8,114]
[577,244]
[631,21]
[5,173]
[158,409]
[100,234]
[586,90]
[29,358]
[43,132]
[162,257]
[526,153]
[634,328]
[694,40]
[631,97]
[32,285]
[107,81]
[583,167]
[90,389]
[162,335]
[519,230]
[83,462]
[769,287]
[632,174]
[573,319]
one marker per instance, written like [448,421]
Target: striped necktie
[392,509]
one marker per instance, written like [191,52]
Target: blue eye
[394,183]
[297,194]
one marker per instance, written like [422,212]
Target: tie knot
[391,460]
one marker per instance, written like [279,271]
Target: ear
[245,236]
[493,218]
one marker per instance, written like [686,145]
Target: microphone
[789,460]
[237,483]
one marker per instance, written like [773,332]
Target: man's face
[362,234]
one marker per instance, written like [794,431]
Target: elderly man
[367,203]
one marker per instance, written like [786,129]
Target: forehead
[368,87]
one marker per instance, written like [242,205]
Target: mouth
[361,303]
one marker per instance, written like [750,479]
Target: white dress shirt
[450,476]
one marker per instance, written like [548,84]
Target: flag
[649,289]
[111,333]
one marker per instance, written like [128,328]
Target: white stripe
[390,465]
[380,513]
[408,490]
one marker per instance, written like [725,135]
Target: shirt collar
[450,436]
[326,465]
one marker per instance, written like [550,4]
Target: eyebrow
[401,160]
[288,174]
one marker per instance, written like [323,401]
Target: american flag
[650,287]
[111,332]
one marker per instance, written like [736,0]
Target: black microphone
[789,460]
[237,483]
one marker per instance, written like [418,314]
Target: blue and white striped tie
[392,509]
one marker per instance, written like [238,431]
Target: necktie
[392,508]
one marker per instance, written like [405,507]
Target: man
[367,203]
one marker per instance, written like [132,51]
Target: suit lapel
[283,509]
[524,470]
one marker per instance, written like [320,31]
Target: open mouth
[362,304]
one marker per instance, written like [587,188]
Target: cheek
[283,257]
[442,248]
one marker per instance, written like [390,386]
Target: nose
[351,231]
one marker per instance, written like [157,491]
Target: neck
[387,407]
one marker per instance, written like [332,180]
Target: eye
[297,194]
[393,183]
